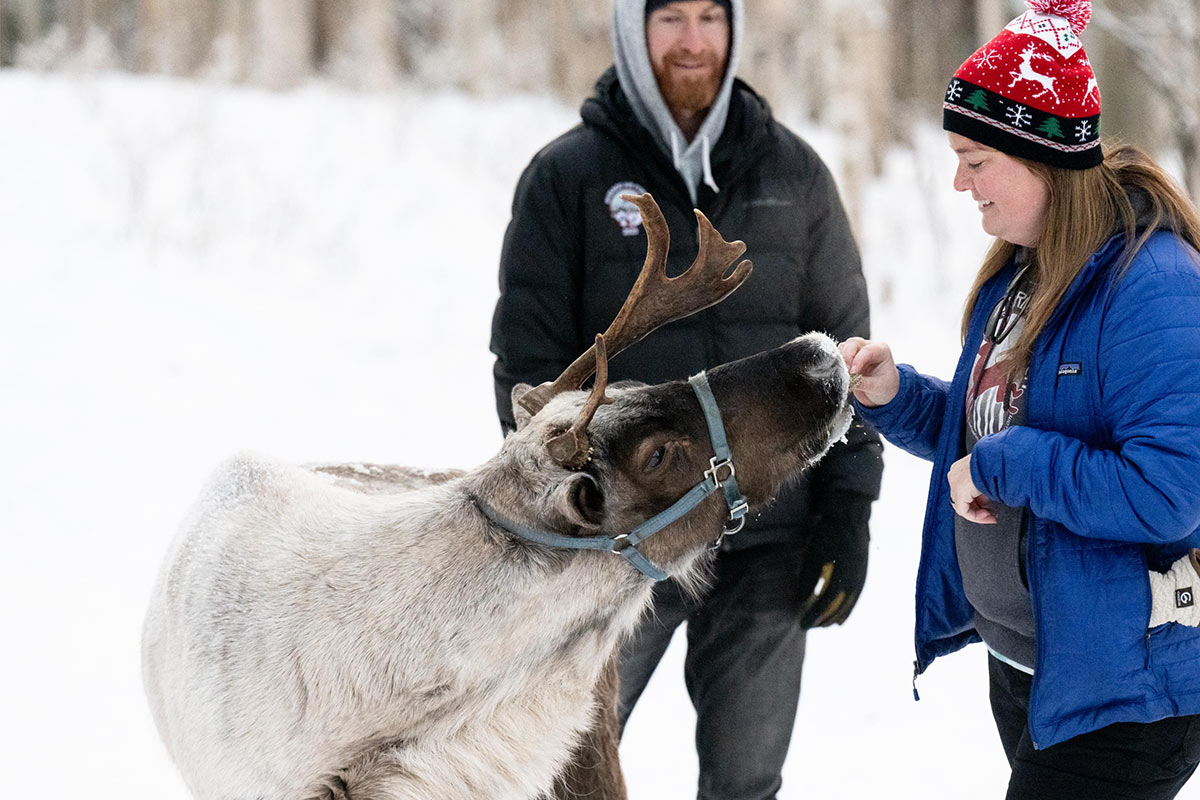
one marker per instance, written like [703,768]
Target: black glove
[837,557]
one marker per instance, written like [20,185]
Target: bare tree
[582,44]
[990,18]
[1164,39]
[931,38]
[8,34]
[285,39]
[175,36]
[358,41]
[230,55]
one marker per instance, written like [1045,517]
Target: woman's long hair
[1086,207]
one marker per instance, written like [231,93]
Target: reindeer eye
[656,459]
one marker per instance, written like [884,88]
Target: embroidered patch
[1184,598]
[625,213]
[1070,368]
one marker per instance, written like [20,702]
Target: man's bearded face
[692,88]
[688,43]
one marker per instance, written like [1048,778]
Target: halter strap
[625,544]
[723,457]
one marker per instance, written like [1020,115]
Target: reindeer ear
[520,415]
[580,500]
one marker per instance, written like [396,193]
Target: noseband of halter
[719,476]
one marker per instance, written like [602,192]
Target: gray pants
[742,669]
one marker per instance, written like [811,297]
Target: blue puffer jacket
[1108,464]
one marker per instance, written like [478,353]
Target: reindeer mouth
[813,447]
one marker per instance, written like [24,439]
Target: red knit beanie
[1030,92]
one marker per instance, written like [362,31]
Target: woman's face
[1011,198]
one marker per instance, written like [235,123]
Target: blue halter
[719,475]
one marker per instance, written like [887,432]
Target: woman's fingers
[872,362]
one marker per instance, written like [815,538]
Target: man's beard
[687,92]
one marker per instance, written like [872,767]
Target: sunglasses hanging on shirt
[1008,312]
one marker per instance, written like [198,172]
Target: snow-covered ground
[190,270]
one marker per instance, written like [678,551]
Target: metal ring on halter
[714,466]
[620,542]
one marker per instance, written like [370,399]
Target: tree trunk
[361,46]
[581,46]
[284,42]
[174,36]
[990,18]
[230,57]
[470,48]
[1189,151]
[8,35]
[931,38]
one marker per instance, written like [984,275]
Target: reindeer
[383,634]
[1026,72]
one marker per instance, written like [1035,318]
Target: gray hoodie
[641,88]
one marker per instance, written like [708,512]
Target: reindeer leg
[594,771]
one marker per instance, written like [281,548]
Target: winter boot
[1175,591]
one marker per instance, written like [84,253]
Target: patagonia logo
[1184,598]
[1070,368]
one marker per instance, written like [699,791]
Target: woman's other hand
[969,503]
[872,370]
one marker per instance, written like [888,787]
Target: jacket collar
[746,135]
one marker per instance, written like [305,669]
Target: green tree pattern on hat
[978,100]
[1051,128]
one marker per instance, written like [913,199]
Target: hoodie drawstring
[704,160]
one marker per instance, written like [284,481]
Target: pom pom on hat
[1030,91]
[1076,12]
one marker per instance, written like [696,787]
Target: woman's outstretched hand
[872,370]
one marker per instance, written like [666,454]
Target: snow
[189,270]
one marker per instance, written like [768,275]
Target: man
[671,118]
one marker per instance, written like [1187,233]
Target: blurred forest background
[863,69]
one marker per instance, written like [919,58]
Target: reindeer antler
[570,448]
[654,301]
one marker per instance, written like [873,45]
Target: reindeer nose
[820,350]
[817,359]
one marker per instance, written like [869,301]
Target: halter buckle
[620,542]
[714,468]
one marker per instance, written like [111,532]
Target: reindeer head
[1032,52]
[603,463]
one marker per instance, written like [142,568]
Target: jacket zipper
[1039,634]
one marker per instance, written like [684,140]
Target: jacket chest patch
[623,212]
[1070,368]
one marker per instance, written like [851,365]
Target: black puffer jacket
[566,267]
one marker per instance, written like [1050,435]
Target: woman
[1067,445]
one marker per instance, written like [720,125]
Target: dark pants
[1146,761]
[742,669]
